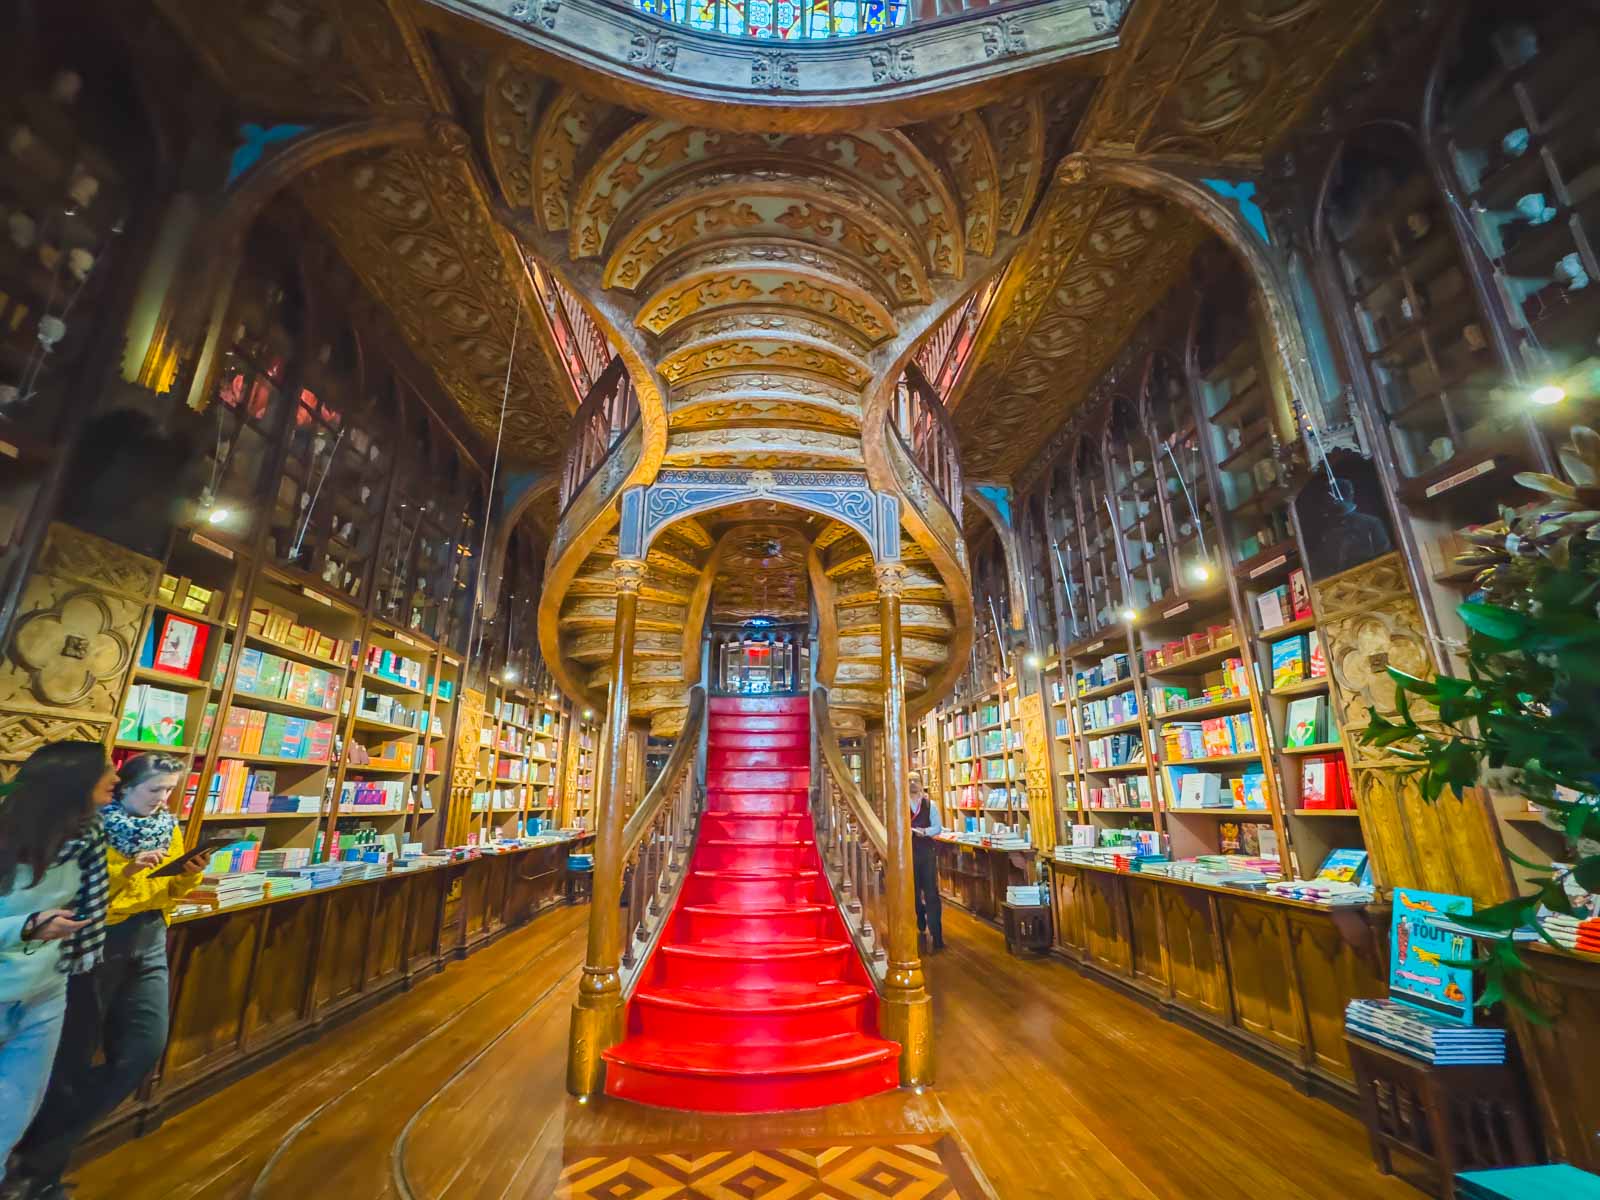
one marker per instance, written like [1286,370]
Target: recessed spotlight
[1130,615]
[218,516]
[1200,572]
[1032,661]
[1547,395]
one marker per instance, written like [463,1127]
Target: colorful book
[162,717]
[1289,660]
[1306,723]
[132,706]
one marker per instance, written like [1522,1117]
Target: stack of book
[396,668]
[279,625]
[1428,1036]
[1323,891]
[1217,737]
[229,889]
[285,883]
[1325,782]
[1026,894]
[1572,932]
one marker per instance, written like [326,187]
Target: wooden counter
[976,877]
[250,982]
[1267,975]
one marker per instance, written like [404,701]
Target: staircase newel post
[907,1010]
[597,1015]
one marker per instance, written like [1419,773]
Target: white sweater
[28,970]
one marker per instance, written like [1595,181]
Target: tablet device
[209,845]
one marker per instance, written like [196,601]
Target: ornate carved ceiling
[767,278]
[1214,80]
[762,573]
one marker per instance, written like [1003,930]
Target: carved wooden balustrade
[584,349]
[852,841]
[609,411]
[920,422]
[657,840]
[945,353]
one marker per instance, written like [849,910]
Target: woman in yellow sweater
[122,1005]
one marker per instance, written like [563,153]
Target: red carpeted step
[757,827]
[722,1077]
[744,855]
[754,1000]
[780,1014]
[747,923]
[790,803]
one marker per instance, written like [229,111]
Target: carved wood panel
[386,947]
[278,997]
[1105,922]
[464,766]
[1370,621]
[342,954]
[1564,1055]
[1036,760]
[1144,923]
[214,962]
[1331,973]
[73,642]
[1194,951]
[1067,902]
[1258,977]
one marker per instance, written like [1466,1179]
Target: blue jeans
[29,1033]
[120,1008]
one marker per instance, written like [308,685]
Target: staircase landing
[755,999]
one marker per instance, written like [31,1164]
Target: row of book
[1110,710]
[514,711]
[237,787]
[376,706]
[1229,681]
[252,731]
[276,678]
[282,626]
[394,667]
[1287,602]
[997,741]
[1215,737]
[1129,791]
[1115,750]
[387,794]
[1179,650]
[1297,658]
[1111,669]
[1203,789]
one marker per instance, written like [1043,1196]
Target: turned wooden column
[597,1015]
[907,1012]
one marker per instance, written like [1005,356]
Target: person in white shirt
[925,864]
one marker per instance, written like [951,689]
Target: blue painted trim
[1243,197]
[253,143]
[1000,497]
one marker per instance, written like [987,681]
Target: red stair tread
[784,1058]
[757,951]
[776,998]
[745,910]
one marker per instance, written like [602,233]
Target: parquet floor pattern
[1049,1087]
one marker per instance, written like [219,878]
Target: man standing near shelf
[925,864]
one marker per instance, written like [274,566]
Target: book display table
[976,876]
[1265,975]
[252,981]
[1451,1117]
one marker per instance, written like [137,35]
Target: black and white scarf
[81,952]
[133,833]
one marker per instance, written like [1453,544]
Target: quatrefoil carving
[67,649]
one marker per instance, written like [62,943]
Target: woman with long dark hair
[122,1007]
[52,913]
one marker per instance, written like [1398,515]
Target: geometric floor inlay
[900,1169]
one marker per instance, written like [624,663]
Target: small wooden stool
[1027,927]
[1456,1118]
[580,885]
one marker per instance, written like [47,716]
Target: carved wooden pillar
[907,1015]
[597,1016]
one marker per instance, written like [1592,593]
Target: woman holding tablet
[122,1008]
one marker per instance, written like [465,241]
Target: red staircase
[755,1000]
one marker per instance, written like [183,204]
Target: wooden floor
[1053,1085]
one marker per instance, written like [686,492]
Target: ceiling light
[1032,661]
[510,675]
[1547,395]
[218,516]
[1130,615]
[1200,572]
[588,714]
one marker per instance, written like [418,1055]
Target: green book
[272,734]
[269,680]
[128,723]
[162,719]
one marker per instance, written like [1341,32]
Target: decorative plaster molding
[912,62]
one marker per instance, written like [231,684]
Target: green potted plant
[1524,716]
